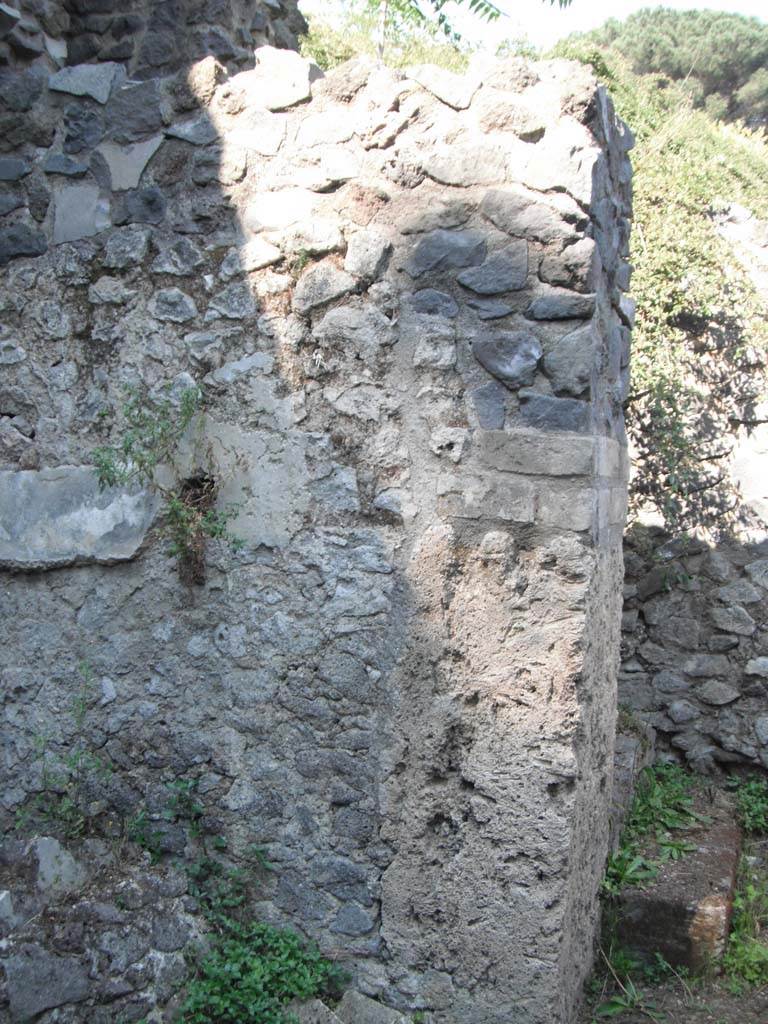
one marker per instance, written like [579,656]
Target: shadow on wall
[695,646]
[368,308]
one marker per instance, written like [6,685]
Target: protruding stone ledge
[51,518]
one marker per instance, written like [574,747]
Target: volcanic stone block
[685,913]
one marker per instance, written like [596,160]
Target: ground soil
[714,999]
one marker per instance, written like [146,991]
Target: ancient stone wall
[402,298]
[695,646]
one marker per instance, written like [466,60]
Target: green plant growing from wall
[151,436]
[70,771]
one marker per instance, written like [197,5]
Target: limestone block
[734,619]
[568,507]
[758,572]
[57,869]
[367,253]
[537,454]
[94,80]
[79,212]
[126,247]
[126,163]
[55,517]
[280,80]
[717,693]
[275,211]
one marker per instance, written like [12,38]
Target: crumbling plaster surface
[403,300]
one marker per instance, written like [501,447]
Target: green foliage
[713,53]
[746,958]
[139,830]
[663,803]
[70,771]
[752,803]
[701,333]
[252,973]
[401,32]
[151,434]
[330,45]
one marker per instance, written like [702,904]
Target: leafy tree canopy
[721,57]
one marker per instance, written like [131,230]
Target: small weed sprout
[67,780]
[153,432]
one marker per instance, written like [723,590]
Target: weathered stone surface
[94,80]
[531,452]
[83,128]
[313,1012]
[489,309]
[758,572]
[570,364]
[140,206]
[55,517]
[355,1008]
[181,259]
[38,981]
[716,692]
[707,665]
[235,302]
[433,339]
[275,211]
[454,90]
[174,305]
[199,132]
[319,285]
[10,201]
[502,272]
[489,402]
[126,163]
[685,913]
[734,620]
[21,240]
[573,267]
[554,413]
[510,356]
[61,163]
[428,300]
[57,869]
[134,112]
[126,247]
[13,168]
[757,667]
[478,162]
[79,212]
[367,254]
[561,304]
[442,250]
[520,214]
[280,80]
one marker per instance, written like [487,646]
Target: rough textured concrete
[401,684]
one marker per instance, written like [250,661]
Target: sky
[542,24]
